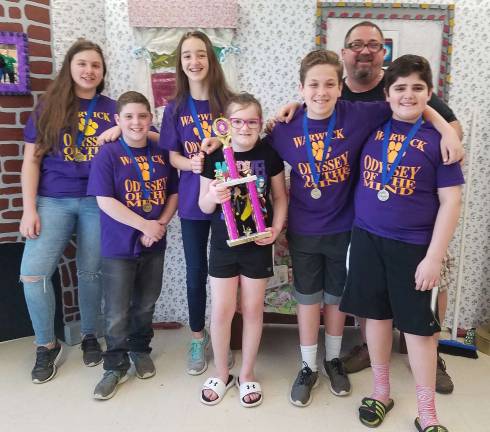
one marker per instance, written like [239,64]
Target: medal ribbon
[385,174]
[90,111]
[144,189]
[195,117]
[309,149]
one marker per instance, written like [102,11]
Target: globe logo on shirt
[206,128]
[91,127]
[318,149]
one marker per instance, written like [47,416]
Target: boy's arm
[154,136]
[110,135]
[451,147]
[429,269]
[119,212]
[286,112]
[280,208]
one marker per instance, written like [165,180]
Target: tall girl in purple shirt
[200,97]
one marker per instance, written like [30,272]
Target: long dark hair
[58,108]
[219,92]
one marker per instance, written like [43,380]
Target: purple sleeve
[449,175]
[101,179]
[30,133]
[169,138]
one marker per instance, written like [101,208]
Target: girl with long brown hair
[200,97]
[60,141]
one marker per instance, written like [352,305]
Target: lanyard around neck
[386,174]
[327,140]
[145,190]
[195,117]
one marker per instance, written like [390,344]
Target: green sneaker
[196,356]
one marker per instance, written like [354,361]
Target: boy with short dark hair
[136,189]
[407,205]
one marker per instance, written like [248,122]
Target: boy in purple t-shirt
[407,205]
[136,189]
[322,143]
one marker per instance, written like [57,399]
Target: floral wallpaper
[273,36]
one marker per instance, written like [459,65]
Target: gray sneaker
[107,386]
[196,356]
[303,384]
[143,364]
[339,381]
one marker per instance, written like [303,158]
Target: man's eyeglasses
[358,46]
[237,123]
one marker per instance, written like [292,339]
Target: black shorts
[319,267]
[381,283]
[253,262]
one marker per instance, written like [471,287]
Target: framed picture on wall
[405,28]
[14,64]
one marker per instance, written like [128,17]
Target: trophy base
[241,180]
[249,238]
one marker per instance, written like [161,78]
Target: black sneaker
[339,381]
[143,364]
[303,384]
[46,361]
[92,354]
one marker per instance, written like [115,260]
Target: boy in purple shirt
[407,205]
[136,189]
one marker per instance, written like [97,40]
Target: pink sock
[427,406]
[381,375]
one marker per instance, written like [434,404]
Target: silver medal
[383,195]
[316,193]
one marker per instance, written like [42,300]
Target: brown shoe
[357,359]
[444,384]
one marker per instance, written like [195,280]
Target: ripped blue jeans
[60,219]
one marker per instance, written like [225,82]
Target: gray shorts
[319,267]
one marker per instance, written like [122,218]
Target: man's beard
[364,74]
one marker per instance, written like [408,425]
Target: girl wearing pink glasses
[248,265]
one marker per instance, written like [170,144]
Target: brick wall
[33,18]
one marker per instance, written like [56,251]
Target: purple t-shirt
[113,175]
[180,134]
[62,176]
[410,212]
[333,212]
